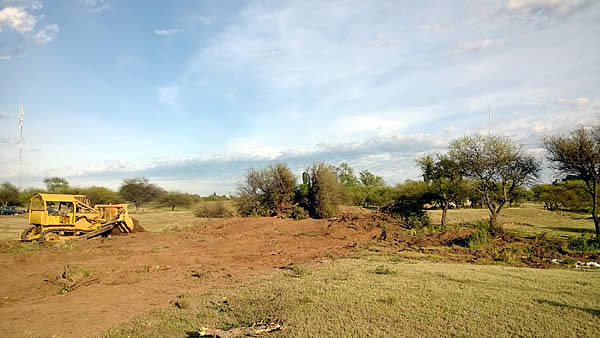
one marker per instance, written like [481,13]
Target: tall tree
[346,175]
[578,154]
[369,179]
[443,176]
[9,194]
[56,184]
[497,166]
[139,190]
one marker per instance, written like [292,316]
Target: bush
[476,240]
[212,209]
[584,243]
[410,211]
[267,191]
[296,213]
[325,191]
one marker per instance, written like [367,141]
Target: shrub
[267,191]
[325,191]
[296,213]
[212,209]
[476,240]
[410,211]
[584,243]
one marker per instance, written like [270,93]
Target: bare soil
[127,275]
[67,290]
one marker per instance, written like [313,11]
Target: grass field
[385,296]
[529,219]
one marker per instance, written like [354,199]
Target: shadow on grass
[576,230]
[566,306]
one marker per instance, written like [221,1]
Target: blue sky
[193,93]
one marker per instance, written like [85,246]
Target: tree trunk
[172,208]
[444,213]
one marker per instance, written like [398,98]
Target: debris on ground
[582,265]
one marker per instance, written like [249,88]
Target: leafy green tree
[101,195]
[578,154]
[175,199]
[369,179]
[444,177]
[346,175]
[26,196]
[56,184]
[497,167]
[9,194]
[139,190]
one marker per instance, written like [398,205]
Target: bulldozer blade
[101,230]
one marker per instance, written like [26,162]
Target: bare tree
[497,166]
[578,154]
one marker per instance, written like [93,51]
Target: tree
[267,191]
[346,175]
[175,199]
[497,166]
[578,154]
[9,194]
[101,195]
[443,176]
[369,179]
[139,190]
[56,184]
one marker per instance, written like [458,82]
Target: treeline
[488,171]
[138,191]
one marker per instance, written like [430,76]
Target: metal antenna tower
[21,115]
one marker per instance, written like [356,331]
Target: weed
[23,248]
[295,270]
[506,255]
[384,270]
[388,300]
[73,276]
[584,243]
[476,240]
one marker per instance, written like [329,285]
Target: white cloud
[470,47]
[5,57]
[17,19]
[96,6]
[33,4]
[167,32]
[548,7]
[4,115]
[47,34]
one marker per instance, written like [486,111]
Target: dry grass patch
[418,299]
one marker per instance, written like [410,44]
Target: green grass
[349,298]
[529,219]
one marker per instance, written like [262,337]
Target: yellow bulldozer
[55,217]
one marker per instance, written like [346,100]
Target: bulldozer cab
[52,209]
